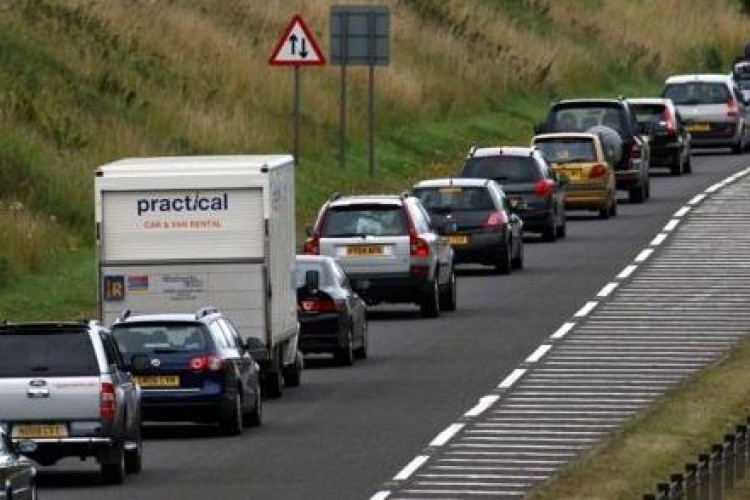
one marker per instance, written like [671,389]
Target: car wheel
[687,167]
[345,354]
[112,471]
[613,207]
[549,232]
[361,352]
[255,417]
[293,373]
[503,264]
[448,294]
[134,456]
[517,261]
[677,169]
[231,422]
[738,148]
[273,380]
[562,229]
[605,212]
[647,188]
[637,195]
[429,307]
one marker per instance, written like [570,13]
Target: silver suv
[62,386]
[389,249]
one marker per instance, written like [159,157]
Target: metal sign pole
[296,114]
[342,98]
[371,98]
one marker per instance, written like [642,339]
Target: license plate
[573,174]
[26,431]
[458,239]
[158,380]
[365,250]
[698,127]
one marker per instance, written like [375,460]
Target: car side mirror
[312,279]
[139,362]
[256,348]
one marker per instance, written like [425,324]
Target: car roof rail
[125,314]
[335,196]
[205,311]
[472,150]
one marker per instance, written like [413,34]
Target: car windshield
[365,219]
[504,169]
[560,150]
[160,337]
[455,198]
[323,271]
[40,353]
[697,93]
[580,119]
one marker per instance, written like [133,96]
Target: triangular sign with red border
[297,47]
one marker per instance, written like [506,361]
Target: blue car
[192,367]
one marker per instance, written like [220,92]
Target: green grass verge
[662,439]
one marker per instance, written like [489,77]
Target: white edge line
[411,468]
[586,309]
[539,353]
[714,187]
[658,240]
[606,290]
[645,254]
[563,330]
[512,378]
[445,436]
[681,211]
[380,495]
[484,403]
[671,225]
[627,271]
[697,199]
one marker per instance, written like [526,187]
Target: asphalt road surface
[347,430]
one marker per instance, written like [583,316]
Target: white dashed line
[482,406]
[380,495]
[681,212]
[658,240]
[585,310]
[410,469]
[445,436]
[512,378]
[697,199]
[645,254]
[609,288]
[539,353]
[564,329]
[627,272]
[714,187]
[671,225]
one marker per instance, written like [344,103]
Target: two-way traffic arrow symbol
[303,46]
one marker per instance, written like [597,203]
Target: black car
[580,115]
[333,318]
[17,473]
[670,141]
[535,192]
[475,217]
[192,368]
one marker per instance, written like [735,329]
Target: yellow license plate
[573,174]
[458,239]
[365,250]
[26,431]
[158,380]
[698,127]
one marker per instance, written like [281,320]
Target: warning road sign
[297,47]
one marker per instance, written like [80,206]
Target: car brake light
[312,245]
[597,170]
[107,401]
[320,305]
[543,188]
[206,363]
[669,121]
[495,221]
[418,247]
[732,107]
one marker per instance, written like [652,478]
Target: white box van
[175,234]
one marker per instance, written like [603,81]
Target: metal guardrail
[715,472]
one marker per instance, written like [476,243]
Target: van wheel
[231,422]
[273,381]
[293,372]
[429,307]
[448,294]
[112,471]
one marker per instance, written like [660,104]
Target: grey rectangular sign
[360,35]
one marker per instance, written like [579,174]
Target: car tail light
[321,305]
[495,221]
[312,245]
[669,121]
[732,107]
[206,363]
[107,401]
[597,170]
[543,188]
[418,247]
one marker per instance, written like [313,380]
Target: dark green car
[17,473]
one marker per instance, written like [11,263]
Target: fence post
[740,448]
[704,476]
[691,481]
[662,490]
[717,471]
[729,461]
[676,489]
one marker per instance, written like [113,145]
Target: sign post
[297,47]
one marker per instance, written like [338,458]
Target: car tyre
[517,261]
[562,229]
[345,354]
[687,166]
[613,207]
[504,264]
[677,169]
[255,417]
[231,422]
[273,381]
[738,148]
[448,294]
[429,307]
[293,373]
[637,194]
[549,232]
[113,472]
[134,457]
[605,212]
[361,352]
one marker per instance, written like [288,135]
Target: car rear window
[561,150]
[364,219]
[504,169]
[697,93]
[648,113]
[323,271]
[40,353]
[455,198]
[580,119]
[161,338]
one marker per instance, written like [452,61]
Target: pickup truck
[62,386]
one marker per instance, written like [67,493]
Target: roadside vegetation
[86,82]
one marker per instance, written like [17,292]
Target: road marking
[560,332]
[645,254]
[380,495]
[714,187]
[658,240]
[681,212]
[627,271]
[512,378]
[671,224]
[445,436]
[410,469]
[539,353]
[482,406]
[586,309]
[609,288]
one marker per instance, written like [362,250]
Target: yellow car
[583,159]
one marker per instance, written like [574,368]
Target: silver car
[17,473]
[389,249]
[713,109]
